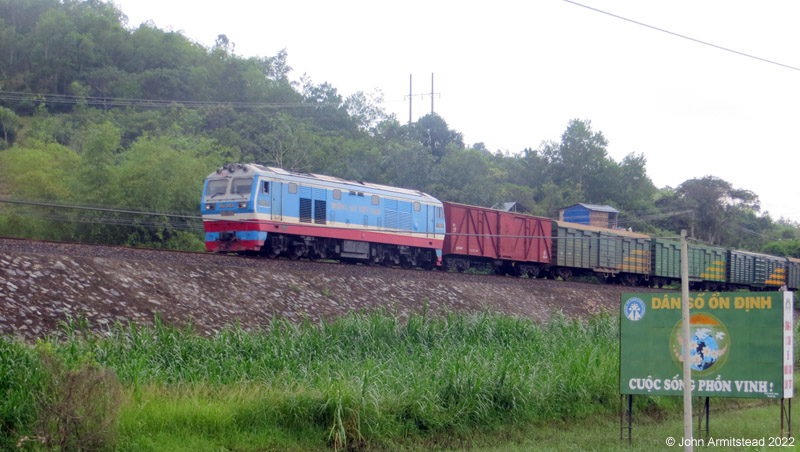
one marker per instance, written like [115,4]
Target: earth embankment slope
[43,284]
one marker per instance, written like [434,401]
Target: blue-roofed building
[591,215]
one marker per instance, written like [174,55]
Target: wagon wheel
[533,272]
[628,279]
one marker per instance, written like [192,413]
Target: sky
[512,74]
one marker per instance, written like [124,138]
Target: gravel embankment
[42,284]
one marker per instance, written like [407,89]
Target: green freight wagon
[707,264]
[755,271]
[589,250]
[793,273]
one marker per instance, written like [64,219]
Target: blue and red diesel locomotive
[249,208]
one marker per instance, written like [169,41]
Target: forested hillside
[97,114]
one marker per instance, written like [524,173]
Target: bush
[79,409]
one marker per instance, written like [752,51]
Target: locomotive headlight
[242,204]
[209,206]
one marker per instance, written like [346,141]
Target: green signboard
[741,344]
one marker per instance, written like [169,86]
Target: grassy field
[750,420]
[365,382]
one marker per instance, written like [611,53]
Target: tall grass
[372,376]
[21,379]
[367,378]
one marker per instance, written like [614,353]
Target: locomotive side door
[277,200]
[431,229]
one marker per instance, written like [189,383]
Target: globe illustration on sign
[709,344]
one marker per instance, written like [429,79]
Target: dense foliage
[94,113]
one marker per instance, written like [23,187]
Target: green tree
[580,159]
[434,134]
[9,123]
[281,145]
[465,176]
[99,147]
[365,109]
[714,203]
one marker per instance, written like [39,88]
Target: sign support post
[687,369]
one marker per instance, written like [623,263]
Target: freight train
[254,209]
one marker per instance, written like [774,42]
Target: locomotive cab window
[265,187]
[242,186]
[439,212]
[217,187]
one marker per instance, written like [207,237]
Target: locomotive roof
[351,185]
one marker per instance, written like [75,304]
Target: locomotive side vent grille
[305,210]
[320,207]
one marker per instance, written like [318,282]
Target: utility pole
[431,92]
[421,96]
[410,97]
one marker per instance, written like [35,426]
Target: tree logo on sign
[634,309]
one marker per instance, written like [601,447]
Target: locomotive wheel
[297,252]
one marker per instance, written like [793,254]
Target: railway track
[75,249]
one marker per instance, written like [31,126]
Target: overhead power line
[148,103]
[194,222]
[684,36]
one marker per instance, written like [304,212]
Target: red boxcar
[511,243]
